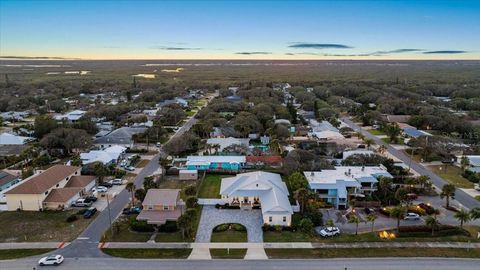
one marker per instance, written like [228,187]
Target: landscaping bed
[370,252]
[147,253]
[232,253]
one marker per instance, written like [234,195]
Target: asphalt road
[463,198]
[323,264]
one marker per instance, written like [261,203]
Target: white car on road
[51,260]
[412,216]
[330,231]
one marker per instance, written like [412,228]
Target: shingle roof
[44,181]
[80,181]
[121,135]
[161,196]
[62,195]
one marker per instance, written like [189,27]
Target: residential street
[463,198]
[324,264]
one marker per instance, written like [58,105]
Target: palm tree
[384,184]
[463,216]
[369,142]
[464,162]
[398,213]
[354,219]
[423,180]
[302,196]
[432,222]
[131,188]
[382,149]
[448,191]
[371,218]
[393,131]
[475,213]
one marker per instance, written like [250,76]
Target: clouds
[444,52]
[172,48]
[319,46]
[253,53]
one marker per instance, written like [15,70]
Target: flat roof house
[72,116]
[337,186]
[53,188]
[10,139]
[161,205]
[263,189]
[205,163]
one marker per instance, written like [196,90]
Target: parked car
[130,168]
[412,216]
[131,211]
[369,210]
[477,187]
[329,231]
[51,260]
[90,199]
[106,184]
[100,189]
[90,212]
[82,203]
[117,182]
[123,163]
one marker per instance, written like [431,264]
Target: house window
[270,219]
[150,207]
[284,219]
[46,192]
[165,207]
[57,185]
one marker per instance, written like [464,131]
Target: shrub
[471,176]
[169,226]
[191,190]
[306,226]
[239,227]
[71,218]
[221,228]
[314,215]
[140,226]
[191,202]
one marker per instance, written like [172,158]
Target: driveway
[211,217]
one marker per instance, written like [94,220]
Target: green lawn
[170,237]
[376,132]
[30,226]
[146,253]
[7,254]
[229,236]
[232,253]
[122,233]
[453,175]
[142,163]
[210,186]
[286,237]
[477,198]
[371,252]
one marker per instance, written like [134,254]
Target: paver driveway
[211,217]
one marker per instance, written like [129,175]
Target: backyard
[43,226]
[210,186]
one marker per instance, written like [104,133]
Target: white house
[324,130]
[107,156]
[263,189]
[10,139]
[226,142]
[337,186]
[72,116]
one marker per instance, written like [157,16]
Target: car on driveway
[131,211]
[100,189]
[369,211]
[330,231]
[90,212]
[51,260]
[117,182]
[90,199]
[412,216]
[106,184]
[130,168]
[82,203]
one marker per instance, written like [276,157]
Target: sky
[240,29]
